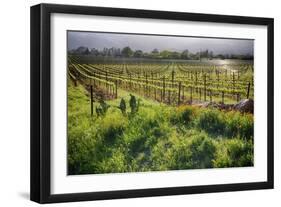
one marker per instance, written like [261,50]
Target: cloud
[149,42]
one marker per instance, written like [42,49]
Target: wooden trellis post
[163,95]
[179,94]
[116,82]
[130,81]
[233,82]
[106,78]
[91,95]
[120,82]
[191,91]
[173,77]
[205,87]
[218,76]
[169,97]
[248,90]
[146,82]
[196,80]
[238,97]
[183,92]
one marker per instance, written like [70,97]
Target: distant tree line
[127,52]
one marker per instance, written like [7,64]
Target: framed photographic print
[132,103]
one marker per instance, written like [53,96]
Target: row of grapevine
[169,83]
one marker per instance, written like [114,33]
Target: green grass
[157,137]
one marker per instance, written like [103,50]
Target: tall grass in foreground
[156,137]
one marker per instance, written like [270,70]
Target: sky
[147,43]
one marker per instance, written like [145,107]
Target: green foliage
[157,137]
[235,153]
[102,108]
[144,131]
[138,104]
[212,121]
[183,115]
[111,127]
[193,153]
[99,111]
[138,53]
[229,124]
[127,52]
[115,163]
[82,144]
[80,152]
[241,126]
[122,106]
[133,104]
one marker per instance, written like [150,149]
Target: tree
[87,52]
[185,54]
[165,54]
[175,55]
[138,53]
[155,53]
[127,52]
[94,52]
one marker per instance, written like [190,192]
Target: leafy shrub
[198,152]
[235,153]
[133,104]
[82,148]
[115,163]
[203,152]
[102,108]
[144,131]
[212,121]
[122,106]
[241,153]
[247,129]
[183,115]
[160,157]
[112,127]
[135,137]
[186,115]
[240,125]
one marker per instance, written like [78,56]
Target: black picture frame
[41,96]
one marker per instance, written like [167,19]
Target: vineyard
[169,83]
[135,116]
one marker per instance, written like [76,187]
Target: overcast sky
[148,42]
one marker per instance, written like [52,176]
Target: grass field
[148,135]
